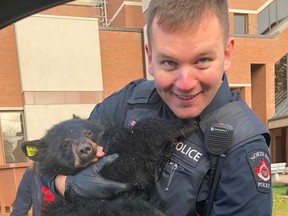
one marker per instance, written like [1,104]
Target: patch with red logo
[47,195]
[259,161]
[132,123]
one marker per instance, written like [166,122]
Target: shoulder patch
[259,162]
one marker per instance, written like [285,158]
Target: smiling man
[188,65]
[189,52]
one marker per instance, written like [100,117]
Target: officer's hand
[89,183]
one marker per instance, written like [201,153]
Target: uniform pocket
[177,187]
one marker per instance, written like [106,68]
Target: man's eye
[203,60]
[169,63]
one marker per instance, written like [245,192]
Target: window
[240,23]
[12,136]
[263,21]
[281,71]
[282,11]
[272,15]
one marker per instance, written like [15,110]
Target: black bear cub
[72,145]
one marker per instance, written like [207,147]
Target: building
[66,59]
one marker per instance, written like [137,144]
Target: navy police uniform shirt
[244,187]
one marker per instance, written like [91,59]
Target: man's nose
[186,78]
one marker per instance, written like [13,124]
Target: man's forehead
[190,28]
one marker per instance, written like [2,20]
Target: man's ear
[228,54]
[31,149]
[149,58]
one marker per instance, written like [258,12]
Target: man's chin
[186,114]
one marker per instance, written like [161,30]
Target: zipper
[174,167]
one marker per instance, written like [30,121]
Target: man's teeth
[185,97]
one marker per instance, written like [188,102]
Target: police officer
[28,195]
[189,52]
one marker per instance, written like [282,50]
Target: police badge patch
[259,161]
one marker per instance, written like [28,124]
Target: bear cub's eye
[67,143]
[88,133]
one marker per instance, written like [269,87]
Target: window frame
[6,138]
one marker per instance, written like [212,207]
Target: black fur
[140,148]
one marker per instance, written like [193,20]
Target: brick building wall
[10,88]
[122,58]
[252,5]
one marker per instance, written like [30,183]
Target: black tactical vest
[183,181]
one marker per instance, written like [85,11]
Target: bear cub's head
[67,147]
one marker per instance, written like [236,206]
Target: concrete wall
[59,53]
[56,55]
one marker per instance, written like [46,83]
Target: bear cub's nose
[85,150]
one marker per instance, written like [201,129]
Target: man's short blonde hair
[181,15]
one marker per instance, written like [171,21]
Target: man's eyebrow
[205,53]
[162,55]
[213,53]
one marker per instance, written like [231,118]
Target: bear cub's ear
[30,149]
[75,116]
